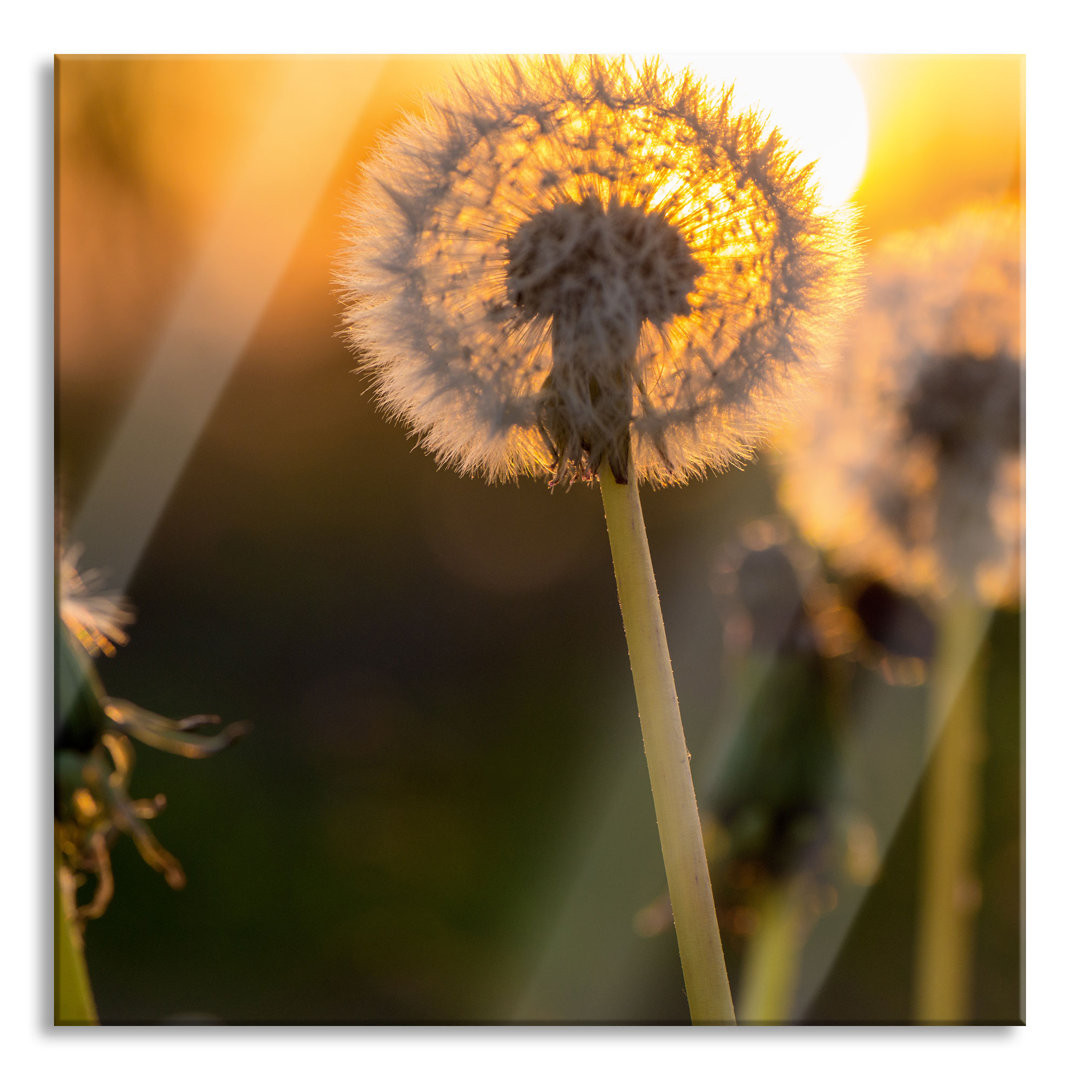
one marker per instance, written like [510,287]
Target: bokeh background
[442,814]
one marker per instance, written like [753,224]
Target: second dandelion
[584,270]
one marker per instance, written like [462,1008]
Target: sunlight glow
[279,177]
[815,100]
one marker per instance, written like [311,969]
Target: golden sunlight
[815,100]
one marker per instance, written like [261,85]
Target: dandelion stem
[702,955]
[73,1001]
[949,892]
[771,968]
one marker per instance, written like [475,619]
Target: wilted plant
[912,470]
[585,271]
[94,757]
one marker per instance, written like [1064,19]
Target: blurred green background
[443,813]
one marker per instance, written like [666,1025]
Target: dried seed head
[911,468]
[561,261]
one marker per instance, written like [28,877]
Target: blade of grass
[949,889]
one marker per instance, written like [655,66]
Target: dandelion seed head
[561,261]
[910,467]
[626,265]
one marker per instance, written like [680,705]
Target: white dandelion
[912,471]
[561,261]
[584,270]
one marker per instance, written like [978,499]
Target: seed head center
[612,263]
[598,272]
[966,404]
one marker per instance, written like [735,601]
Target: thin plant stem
[700,950]
[771,967]
[949,889]
[73,1000]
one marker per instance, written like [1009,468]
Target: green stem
[702,955]
[73,1001]
[949,891]
[771,966]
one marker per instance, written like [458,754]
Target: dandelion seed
[561,262]
[911,467]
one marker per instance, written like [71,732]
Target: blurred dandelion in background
[910,466]
[787,835]
[910,471]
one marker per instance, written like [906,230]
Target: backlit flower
[910,465]
[563,262]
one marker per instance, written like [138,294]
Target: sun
[815,100]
